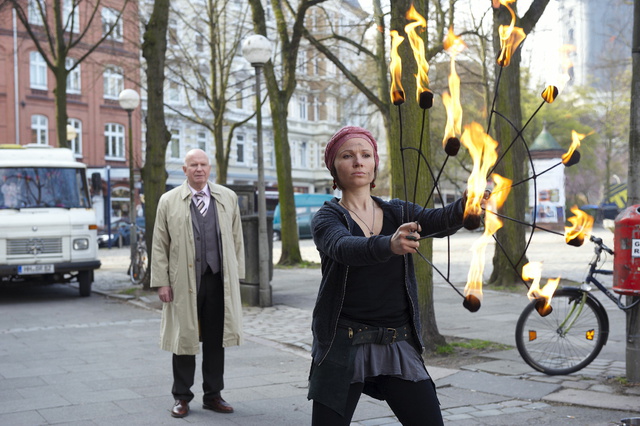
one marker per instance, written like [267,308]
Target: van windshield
[28,187]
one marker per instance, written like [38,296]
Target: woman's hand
[405,239]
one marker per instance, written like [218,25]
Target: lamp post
[129,100]
[257,50]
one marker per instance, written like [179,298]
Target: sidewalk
[501,389]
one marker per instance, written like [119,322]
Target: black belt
[363,333]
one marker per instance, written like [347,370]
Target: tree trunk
[154,174]
[408,171]
[509,255]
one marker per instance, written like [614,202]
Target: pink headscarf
[343,135]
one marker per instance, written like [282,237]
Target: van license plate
[35,269]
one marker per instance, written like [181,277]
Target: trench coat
[173,264]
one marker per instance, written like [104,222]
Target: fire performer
[366,326]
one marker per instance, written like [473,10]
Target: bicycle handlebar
[598,242]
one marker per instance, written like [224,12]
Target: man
[197,264]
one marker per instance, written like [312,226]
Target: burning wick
[543,307]
[398,97]
[471,303]
[574,159]
[452,146]
[550,94]
[426,99]
[576,241]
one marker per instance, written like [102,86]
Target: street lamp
[129,100]
[257,50]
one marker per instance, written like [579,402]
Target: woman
[366,324]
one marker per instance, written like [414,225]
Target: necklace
[363,222]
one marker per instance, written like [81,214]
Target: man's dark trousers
[211,319]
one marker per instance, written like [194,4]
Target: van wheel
[276,235]
[85,279]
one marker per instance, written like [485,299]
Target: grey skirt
[399,359]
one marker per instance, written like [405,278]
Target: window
[37,71]
[71,16]
[254,151]
[302,107]
[173,31]
[303,155]
[202,141]
[113,82]
[36,10]
[240,149]
[114,141]
[332,110]
[76,143]
[174,144]
[40,129]
[302,62]
[173,94]
[111,22]
[73,78]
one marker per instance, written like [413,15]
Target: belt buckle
[394,335]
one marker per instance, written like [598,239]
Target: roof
[545,142]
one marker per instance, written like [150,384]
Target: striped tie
[200,202]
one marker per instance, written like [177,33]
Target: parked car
[120,232]
[306,207]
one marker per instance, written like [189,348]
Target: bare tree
[203,63]
[280,87]
[55,29]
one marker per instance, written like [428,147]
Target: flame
[417,46]
[575,144]
[395,66]
[510,37]
[566,51]
[582,223]
[549,94]
[491,225]
[483,151]
[533,271]
[454,45]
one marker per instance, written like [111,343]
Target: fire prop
[510,37]
[423,94]
[483,151]
[542,296]
[451,100]
[582,224]
[473,289]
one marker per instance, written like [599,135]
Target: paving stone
[595,399]
[486,413]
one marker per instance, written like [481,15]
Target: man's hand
[165,294]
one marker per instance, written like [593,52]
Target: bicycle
[572,335]
[139,266]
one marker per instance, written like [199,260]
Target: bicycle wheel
[139,266]
[567,339]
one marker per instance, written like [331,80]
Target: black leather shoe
[180,408]
[218,405]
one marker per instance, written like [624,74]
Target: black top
[376,294]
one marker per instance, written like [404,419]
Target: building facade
[27,84]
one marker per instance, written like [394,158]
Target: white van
[48,230]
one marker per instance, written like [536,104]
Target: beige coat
[173,264]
